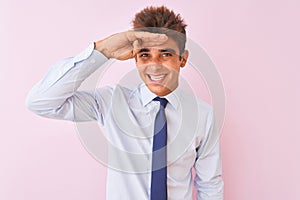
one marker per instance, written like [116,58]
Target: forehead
[169,44]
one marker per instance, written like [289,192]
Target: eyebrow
[168,50]
[144,50]
[161,50]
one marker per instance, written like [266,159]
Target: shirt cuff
[87,53]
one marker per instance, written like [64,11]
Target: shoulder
[195,109]
[113,91]
[190,99]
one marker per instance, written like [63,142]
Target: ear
[184,58]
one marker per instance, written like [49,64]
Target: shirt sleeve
[208,167]
[56,95]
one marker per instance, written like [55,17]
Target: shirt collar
[147,96]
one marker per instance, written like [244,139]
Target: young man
[170,130]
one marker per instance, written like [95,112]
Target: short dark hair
[162,20]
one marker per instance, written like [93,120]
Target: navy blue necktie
[159,156]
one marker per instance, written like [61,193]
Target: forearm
[208,181]
[49,96]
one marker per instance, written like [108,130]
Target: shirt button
[93,61]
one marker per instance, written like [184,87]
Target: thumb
[136,46]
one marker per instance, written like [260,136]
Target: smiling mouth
[157,78]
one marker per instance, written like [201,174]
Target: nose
[155,59]
[154,63]
[155,67]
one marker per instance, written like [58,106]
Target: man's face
[159,66]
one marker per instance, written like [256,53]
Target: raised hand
[126,45]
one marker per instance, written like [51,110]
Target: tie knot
[163,101]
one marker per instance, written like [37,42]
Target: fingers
[151,39]
[147,36]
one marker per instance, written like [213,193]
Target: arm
[56,95]
[208,180]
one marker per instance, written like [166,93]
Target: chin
[159,90]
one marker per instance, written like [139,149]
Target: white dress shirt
[127,116]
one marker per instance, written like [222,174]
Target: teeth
[156,78]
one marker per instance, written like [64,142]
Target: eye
[144,55]
[166,54]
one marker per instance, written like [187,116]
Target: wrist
[101,48]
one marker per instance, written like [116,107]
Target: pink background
[254,44]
